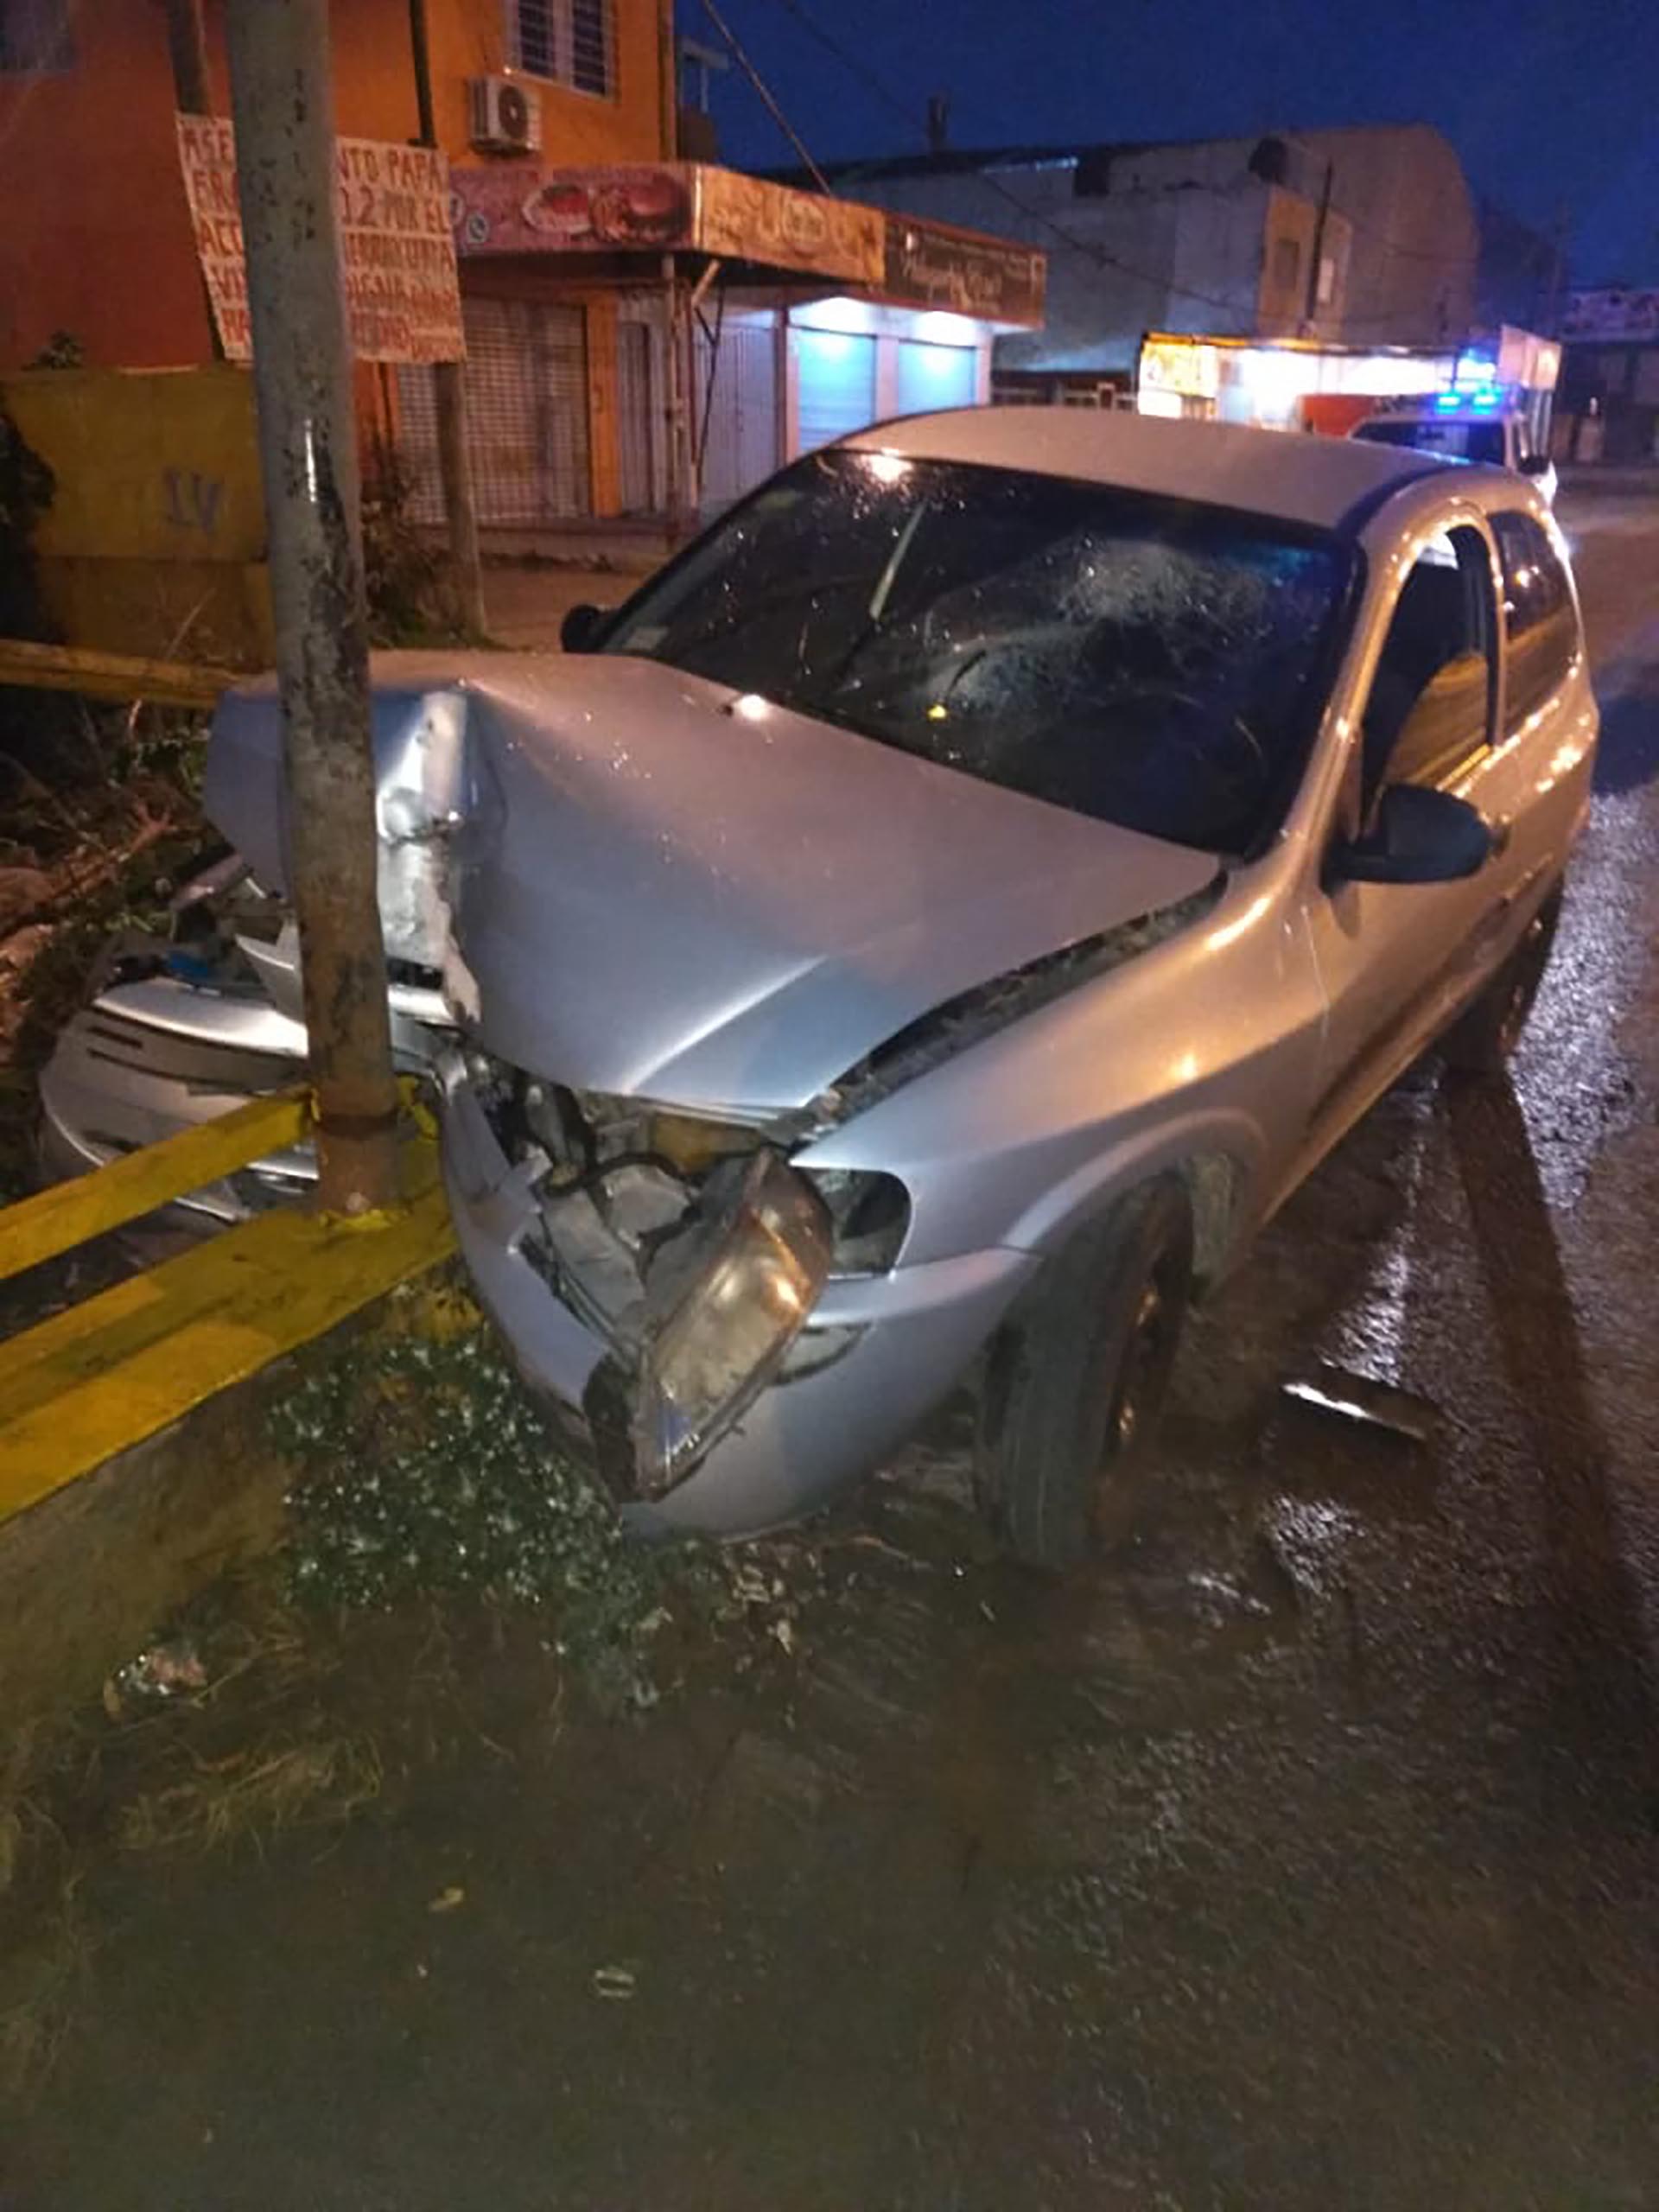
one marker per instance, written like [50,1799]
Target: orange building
[99,244]
[604,375]
[97,240]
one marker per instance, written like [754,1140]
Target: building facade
[1364,236]
[100,247]
[1609,382]
[614,297]
[98,243]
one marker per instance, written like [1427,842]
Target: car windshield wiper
[735,617]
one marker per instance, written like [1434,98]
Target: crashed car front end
[874,790]
[736,1316]
[722,1323]
[187,1021]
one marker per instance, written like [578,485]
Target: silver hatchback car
[930,927]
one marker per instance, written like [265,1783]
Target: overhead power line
[889,99]
[882,92]
[765,93]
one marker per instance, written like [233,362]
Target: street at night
[828,1107]
[1303,1856]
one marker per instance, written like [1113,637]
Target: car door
[1394,959]
[1537,783]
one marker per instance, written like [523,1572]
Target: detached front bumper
[807,1437]
[148,1058]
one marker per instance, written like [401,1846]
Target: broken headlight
[725,1300]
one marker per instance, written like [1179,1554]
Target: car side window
[1430,709]
[1540,629]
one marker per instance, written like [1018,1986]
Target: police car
[1476,426]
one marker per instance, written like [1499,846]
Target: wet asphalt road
[1307,1858]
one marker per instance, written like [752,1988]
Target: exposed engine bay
[691,1248]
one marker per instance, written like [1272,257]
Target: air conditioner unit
[506,116]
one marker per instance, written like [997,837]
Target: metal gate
[739,430]
[526,416]
[936,376]
[837,386]
[636,419]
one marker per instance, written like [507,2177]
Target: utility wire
[765,92]
[889,99]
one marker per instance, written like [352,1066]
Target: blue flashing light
[1485,399]
[1473,371]
[1447,401]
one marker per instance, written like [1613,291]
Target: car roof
[1295,476]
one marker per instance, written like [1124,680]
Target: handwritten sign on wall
[403,302]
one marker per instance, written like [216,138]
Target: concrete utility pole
[1310,321]
[282,104]
[449,396]
[187,46]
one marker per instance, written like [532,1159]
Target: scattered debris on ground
[1350,1396]
[98,834]
[425,1469]
[164,1670]
[449,1583]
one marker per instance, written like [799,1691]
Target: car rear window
[1148,661]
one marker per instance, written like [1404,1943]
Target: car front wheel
[1075,1382]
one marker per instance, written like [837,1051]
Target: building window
[35,34]
[571,41]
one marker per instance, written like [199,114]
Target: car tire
[1482,1039]
[1076,1381]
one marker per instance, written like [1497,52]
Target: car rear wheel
[1076,1382]
[1482,1039]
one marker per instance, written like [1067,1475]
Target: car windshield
[1145,660]
[1456,438]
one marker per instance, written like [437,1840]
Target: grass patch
[256,1793]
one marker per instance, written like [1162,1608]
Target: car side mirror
[1419,836]
[583,628]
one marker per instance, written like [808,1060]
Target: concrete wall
[1407,220]
[97,240]
[154,542]
[1103,292]
[1183,237]
[1416,242]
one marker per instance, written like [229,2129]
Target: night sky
[1549,105]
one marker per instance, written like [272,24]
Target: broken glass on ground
[1348,1397]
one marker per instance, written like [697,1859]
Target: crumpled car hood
[647,886]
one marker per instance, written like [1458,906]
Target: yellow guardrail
[57,1220]
[83,1385]
[111,676]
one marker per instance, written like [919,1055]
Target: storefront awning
[697,207]
[664,207]
[938,265]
